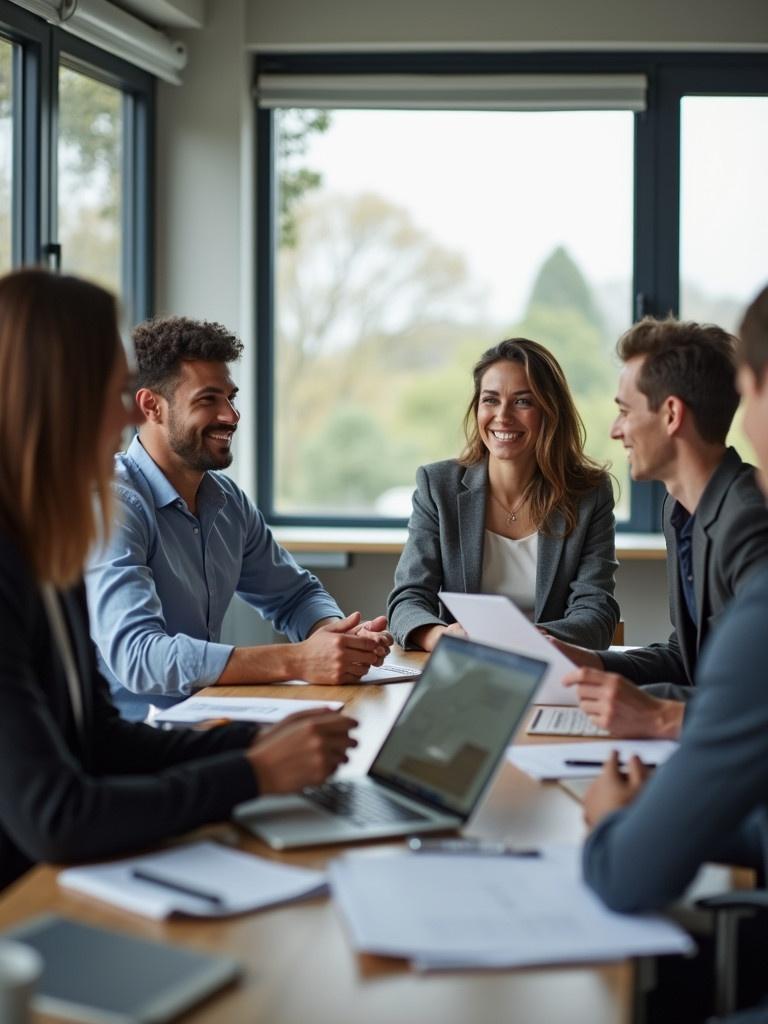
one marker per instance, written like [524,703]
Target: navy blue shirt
[682,523]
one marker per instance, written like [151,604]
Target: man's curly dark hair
[164,343]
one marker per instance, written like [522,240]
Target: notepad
[106,977]
[547,760]
[227,882]
[266,710]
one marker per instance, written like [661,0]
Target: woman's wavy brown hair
[564,471]
[58,346]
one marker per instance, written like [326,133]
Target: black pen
[476,847]
[188,890]
[572,762]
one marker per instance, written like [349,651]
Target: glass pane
[6,153]
[90,182]
[723,211]
[411,241]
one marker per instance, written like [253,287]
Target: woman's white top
[509,567]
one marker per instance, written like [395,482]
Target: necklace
[510,514]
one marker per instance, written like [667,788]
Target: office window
[408,242]
[90,178]
[723,212]
[415,209]
[6,154]
[76,126]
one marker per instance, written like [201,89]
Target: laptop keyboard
[361,804]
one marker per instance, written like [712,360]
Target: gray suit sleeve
[414,601]
[701,805]
[657,663]
[591,612]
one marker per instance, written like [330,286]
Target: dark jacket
[444,551]
[730,541]
[111,787]
[709,801]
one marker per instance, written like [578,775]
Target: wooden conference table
[299,965]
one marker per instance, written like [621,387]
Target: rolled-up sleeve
[127,621]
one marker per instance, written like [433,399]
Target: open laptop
[434,764]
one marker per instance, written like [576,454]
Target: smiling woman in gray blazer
[523,511]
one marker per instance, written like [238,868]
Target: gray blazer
[444,551]
[730,540]
[709,802]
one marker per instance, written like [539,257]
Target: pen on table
[166,883]
[573,762]
[476,847]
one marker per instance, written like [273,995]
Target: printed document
[450,911]
[239,709]
[496,620]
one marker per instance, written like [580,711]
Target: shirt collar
[163,491]
[682,520]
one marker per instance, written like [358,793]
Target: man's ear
[674,414]
[151,405]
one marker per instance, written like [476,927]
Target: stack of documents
[200,879]
[577,760]
[239,709]
[445,911]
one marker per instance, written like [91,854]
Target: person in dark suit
[676,399]
[77,781]
[710,800]
[523,512]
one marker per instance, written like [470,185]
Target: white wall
[205,170]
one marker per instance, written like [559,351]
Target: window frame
[656,248]
[40,48]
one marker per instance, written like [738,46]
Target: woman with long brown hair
[522,512]
[77,781]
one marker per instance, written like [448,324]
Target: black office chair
[729,908]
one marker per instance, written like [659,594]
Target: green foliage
[348,463]
[295,126]
[560,284]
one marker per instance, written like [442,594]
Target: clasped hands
[342,650]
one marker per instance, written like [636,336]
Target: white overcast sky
[504,189]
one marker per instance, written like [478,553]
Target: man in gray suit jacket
[710,800]
[676,400]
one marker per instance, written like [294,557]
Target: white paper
[445,911]
[547,760]
[239,709]
[495,619]
[563,722]
[390,671]
[241,880]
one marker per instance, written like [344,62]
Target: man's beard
[190,446]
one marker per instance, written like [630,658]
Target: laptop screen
[457,723]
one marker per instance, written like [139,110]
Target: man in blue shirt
[676,400]
[187,539]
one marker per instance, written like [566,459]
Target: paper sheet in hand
[496,620]
[241,880]
[466,911]
[547,760]
[239,709]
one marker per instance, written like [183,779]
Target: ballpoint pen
[574,762]
[166,883]
[475,847]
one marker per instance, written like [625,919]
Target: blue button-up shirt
[160,586]
[682,523]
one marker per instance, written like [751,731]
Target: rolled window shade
[102,24]
[454,92]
